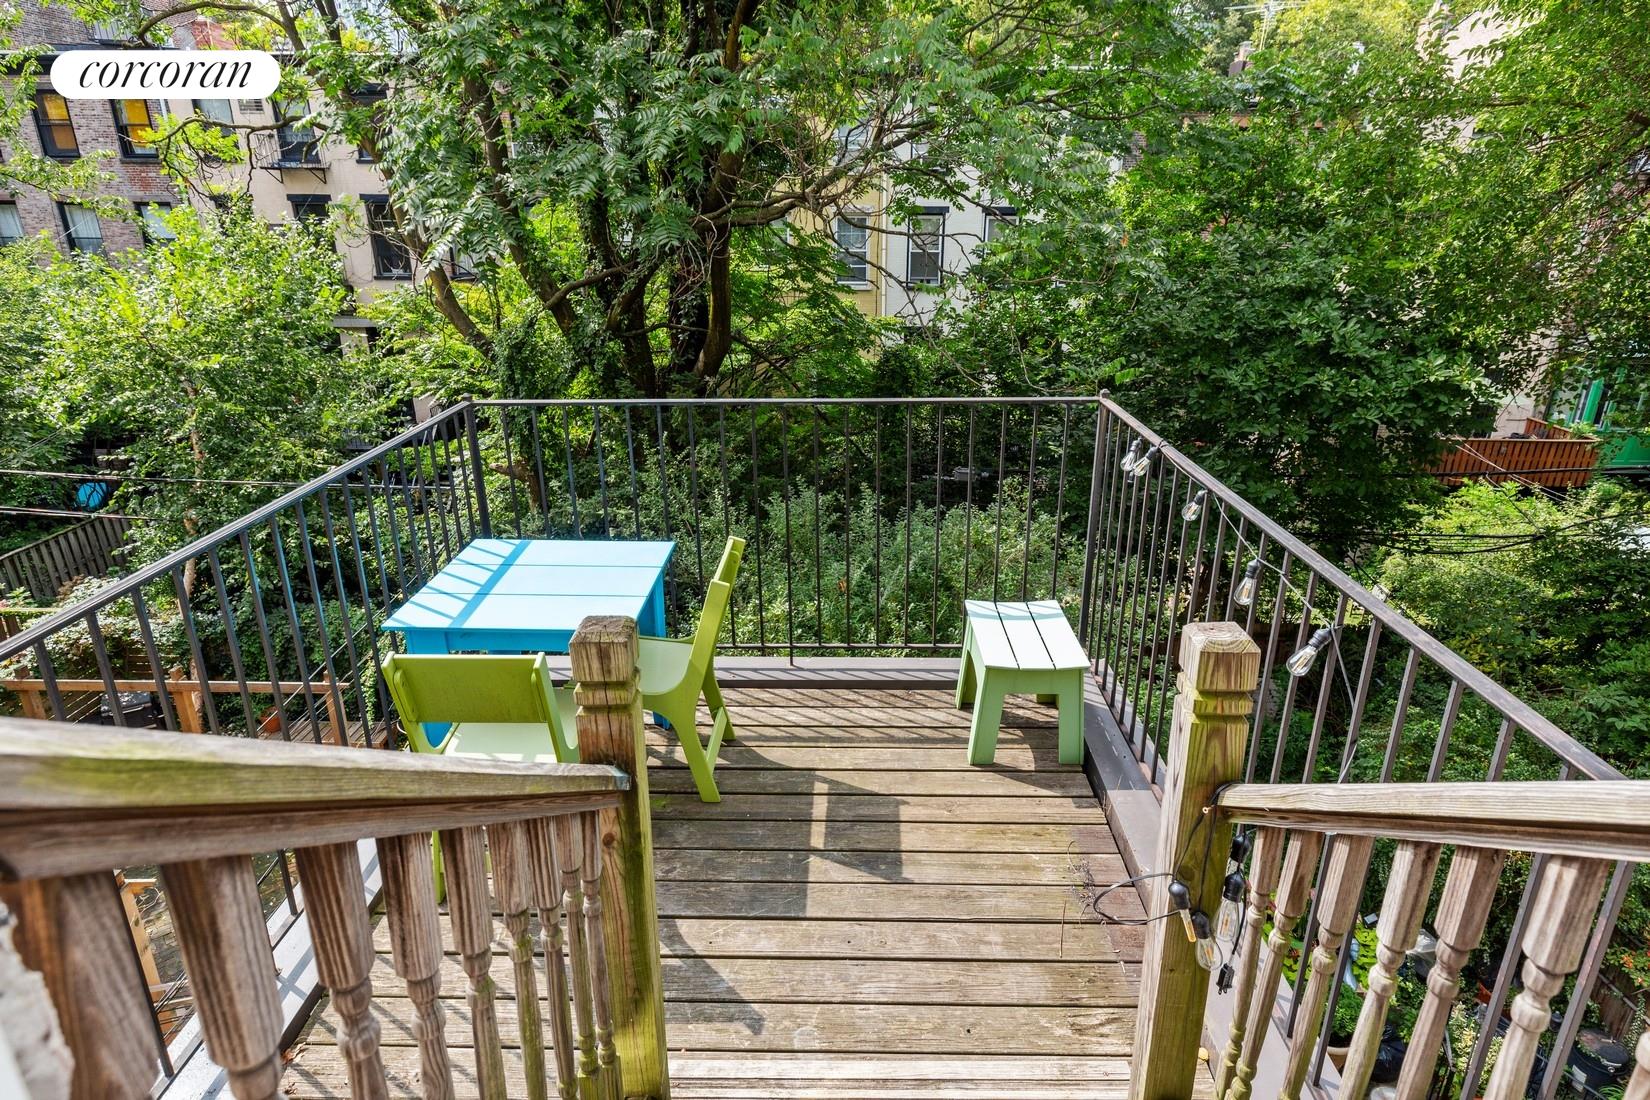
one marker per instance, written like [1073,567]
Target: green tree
[1261,284]
[210,360]
[623,160]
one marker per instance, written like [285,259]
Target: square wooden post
[1219,668]
[604,652]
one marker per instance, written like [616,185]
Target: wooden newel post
[1219,668]
[604,652]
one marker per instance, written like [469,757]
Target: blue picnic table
[529,595]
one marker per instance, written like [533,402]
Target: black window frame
[142,206]
[68,230]
[938,253]
[48,144]
[847,277]
[299,146]
[385,247]
[310,208]
[130,147]
[11,204]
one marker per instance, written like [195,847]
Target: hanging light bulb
[1180,900]
[1242,839]
[1129,459]
[1230,916]
[1246,587]
[1301,663]
[1194,507]
[1144,462]
[1381,592]
[1208,955]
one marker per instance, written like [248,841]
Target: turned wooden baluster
[415,945]
[511,878]
[1299,862]
[220,928]
[1409,886]
[334,898]
[1638,1086]
[1465,906]
[72,930]
[546,880]
[590,825]
[1559,925]
[466,871]
[570,860]
[1343,882]
[1263,879]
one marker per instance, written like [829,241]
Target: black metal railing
[868,523]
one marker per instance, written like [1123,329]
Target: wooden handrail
[571,840]
[1608,819]
[1311,857]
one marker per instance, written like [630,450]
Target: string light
[1208,955]
[1301,663]
[1194,507]
[1231,908]
[1143,463]
[1246,588]
[1129,459]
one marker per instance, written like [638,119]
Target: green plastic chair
[675,673]
[500,707]
[503,707]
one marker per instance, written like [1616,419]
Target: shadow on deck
[863,915]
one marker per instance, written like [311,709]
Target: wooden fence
[1552,457]
[44,568]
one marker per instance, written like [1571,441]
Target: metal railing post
[1085,606]
[483,516]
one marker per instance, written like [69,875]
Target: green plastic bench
[1020,649]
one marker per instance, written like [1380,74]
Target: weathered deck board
[864,915]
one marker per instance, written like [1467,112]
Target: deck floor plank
[864,915]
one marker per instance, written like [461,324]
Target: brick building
[68,130]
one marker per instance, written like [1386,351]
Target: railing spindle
[1263,879]
[607,1059]
[541,855]
[72,930]
[334,897]
[1638,1086]
[1409,886]
[1465,906]
[570,862]
[1559,926]
[415,947]
[507,844]
[220,929]
[1299,861]
[1343,877]
[465,857]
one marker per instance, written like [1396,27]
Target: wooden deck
[862,916]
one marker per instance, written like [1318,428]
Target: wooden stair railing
[1313,843]
[572,842]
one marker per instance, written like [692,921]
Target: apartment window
[298,142]
[11,226]
[81,228]
[925,258]
[51,116]
[310,208]
[107,30]
[250,106]
[850,140]
[218,112]
[135,127]
[997,220]
[155,229]
[390,257]
[853,238]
